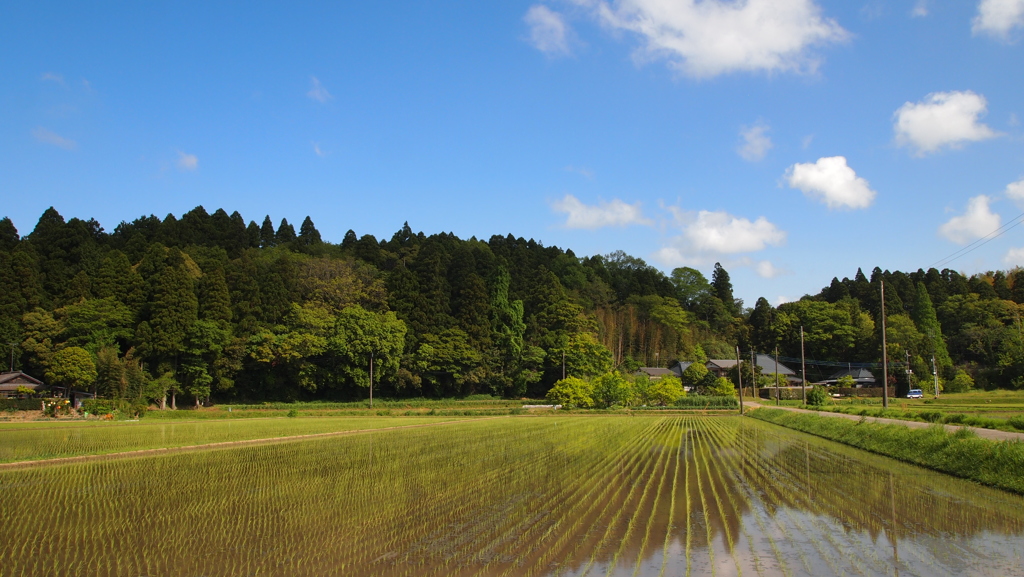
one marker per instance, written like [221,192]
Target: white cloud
[942,119]
[806,142]
[781,300]
[52,77]
[707,235]
[998,17]
[1015,191]
[187,161]
[548,31]
[920,9]
[705,38]
[1014,257]
[614,213]
[48,137]
[765,269]
[319,152]
[318,92]
[977,221]
[831,181]
[756,142]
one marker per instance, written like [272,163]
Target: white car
[915,394]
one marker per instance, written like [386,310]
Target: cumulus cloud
[548,31]
[756,142]
[591,216]
[707,235]
[765,269]
[52,138]
[187,161]
[1015,191]
[1014,257]
[318,92]
[998,17]
[831,181]
[942,119]
[977,221]
[705,38]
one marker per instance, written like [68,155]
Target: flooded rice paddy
[541,496]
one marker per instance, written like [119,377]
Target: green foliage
[72,367]
[846,381]
[612,389]
[571,393]
[722,387]
[961,383]
[695,375]
[665,391]
[818,396]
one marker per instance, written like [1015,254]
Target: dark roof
[11,381]
[767,364]
[657,372]
[859,375]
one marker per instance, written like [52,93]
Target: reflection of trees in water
[512,497]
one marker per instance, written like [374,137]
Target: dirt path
[990,434]
[221,445]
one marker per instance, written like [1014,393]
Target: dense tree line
[211,305]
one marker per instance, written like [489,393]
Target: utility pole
[885,355]
[12,355]
[371,379]
[935,373]
[563,364]
[739,376]
[803,368]
[910,372]
[753,373]
[776,375]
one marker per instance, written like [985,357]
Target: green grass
[998,464]
[32,441]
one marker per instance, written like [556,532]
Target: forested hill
[207,304]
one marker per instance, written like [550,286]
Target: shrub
[611,389]
[817,396]
[571,393]
[722,387]
[1016,422]
[961,383]
[665,391]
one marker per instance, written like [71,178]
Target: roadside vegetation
[963,454]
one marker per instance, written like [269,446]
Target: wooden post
[777,376]
[803,368]
[885,355]
[739,376]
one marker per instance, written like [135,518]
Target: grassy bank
[963,454]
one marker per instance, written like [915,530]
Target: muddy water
[532,496]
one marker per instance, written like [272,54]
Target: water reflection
[533,496]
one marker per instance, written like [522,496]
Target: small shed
[11,381]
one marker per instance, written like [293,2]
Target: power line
[1011,224]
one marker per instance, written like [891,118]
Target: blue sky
[791,140]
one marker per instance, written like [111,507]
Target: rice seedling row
[570,496]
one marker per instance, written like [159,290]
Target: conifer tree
[308,234]
[267,235]
[285,232]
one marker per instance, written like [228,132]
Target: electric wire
[1011,224]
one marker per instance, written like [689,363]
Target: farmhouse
[862,377]
[767,363]
[10,381]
